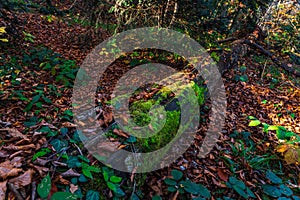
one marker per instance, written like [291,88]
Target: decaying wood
[240,47]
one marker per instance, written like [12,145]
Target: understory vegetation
[255,45]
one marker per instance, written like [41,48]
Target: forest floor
[255,88]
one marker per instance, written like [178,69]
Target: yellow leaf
[3,40]
[126,62]
[292,156]
[283,148]
[2,30]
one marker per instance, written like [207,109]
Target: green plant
[28,37]
[276,189]
[112,181]
[176,183]
[288,140]
[44,187]
[240,188]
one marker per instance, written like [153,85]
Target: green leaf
[265,127]
[172,189]
[244,78]
[156,197]
[92,195]
[250,193]
[271,191]
[112,186]
[119,192]
[203,191]
[131,139]
[73,162]
[82,178]
[40,153]
[115,179]
[240,191]
[285,190]
[94,169]
[64,195]
[272,128]
[87,173]
[296,198]
[190,187]
[170,181]
[177,175]
[281,133]
[252,118]
[47,100]
[283,198]
[83,158]
[64,131]
[254,123]
[273,178]
[44,187]
[59,144]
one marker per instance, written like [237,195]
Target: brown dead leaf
[3,188]
[291,156]
[17,161]
[22,180]
[70,173]
[8,170]
[69,125]
[17,148]
[3,154]
[73,188]
[120,133]
[222,174]
[13,133]
[109,146]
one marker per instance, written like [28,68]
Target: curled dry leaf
[3,188]
[17,161]
[121,133]
[8,170]
[22,180]
[70,173]
[223,175]
[13,133]
[17,148]
[73,188]
[108,146]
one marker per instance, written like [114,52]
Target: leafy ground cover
[41,154]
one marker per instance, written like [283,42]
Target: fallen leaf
[73,188]
[283,148]
[13,132]
[223,175]
[3,188]
[70,173]
[120,133]
[22,180]
[291,156]
[8,170]
[108,146]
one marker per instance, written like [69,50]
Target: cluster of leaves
[44,189]
[177,183]
[288,140]
[241,74]
[2,31]
[113,182]
[240,187]
[277,188]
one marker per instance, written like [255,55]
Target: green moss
[164,136]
